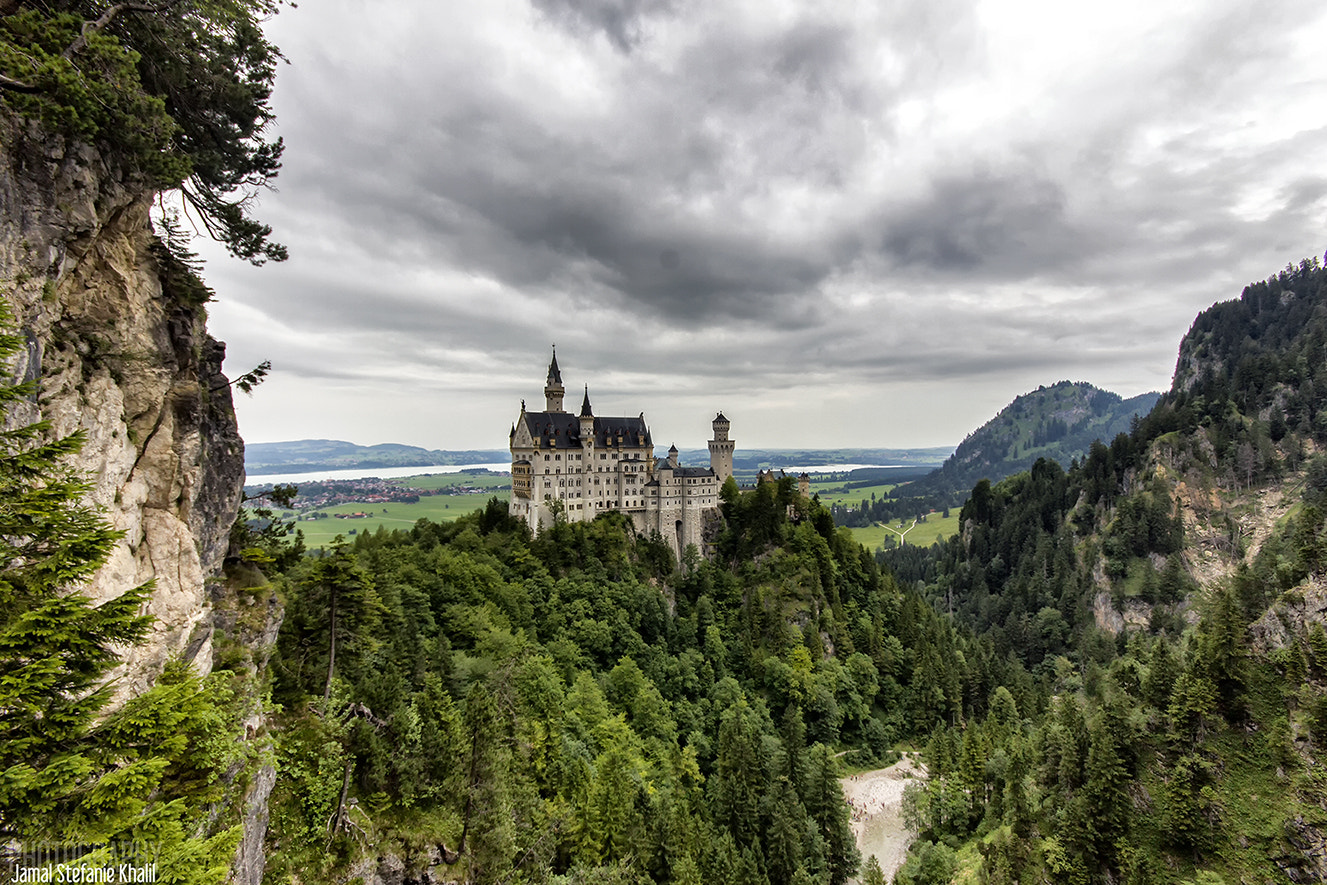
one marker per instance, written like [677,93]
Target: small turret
[672,456]
[720,425]
[553,389]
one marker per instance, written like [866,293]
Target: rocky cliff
[126,358]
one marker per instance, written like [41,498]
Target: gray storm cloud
[707,196]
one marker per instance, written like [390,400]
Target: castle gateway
[582,465]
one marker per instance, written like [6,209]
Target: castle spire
[554,374]
[553,390]
[585,404]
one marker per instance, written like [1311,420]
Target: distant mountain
[303,455]
[920,460]
[1059,422]
[299,456]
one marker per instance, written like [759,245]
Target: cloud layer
[841,224]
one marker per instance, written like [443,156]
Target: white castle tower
[721,449]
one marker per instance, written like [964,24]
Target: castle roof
[585,404]
[554,373]
[562,430]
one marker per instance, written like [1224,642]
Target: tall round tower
[721,449]
[553,389]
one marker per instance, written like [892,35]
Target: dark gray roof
[607,430]
[562,430]
[585,404]
[719,417]
[692,471]
[554,373]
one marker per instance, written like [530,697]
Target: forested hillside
[578,707]
[1161,605]
[1057,423]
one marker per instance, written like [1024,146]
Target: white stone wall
[591,480]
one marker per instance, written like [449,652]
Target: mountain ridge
[295,456]
[1059,421]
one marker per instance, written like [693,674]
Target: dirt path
[876,798]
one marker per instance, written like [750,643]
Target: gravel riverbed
[876,798]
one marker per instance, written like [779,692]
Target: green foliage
[177,93]
[565,708]
[1142,758]
[930,863]
[96,96]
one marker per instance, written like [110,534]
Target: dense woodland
[579,707]
[1189,746]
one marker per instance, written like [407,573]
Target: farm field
[439,508]
[450,480]
[395,515]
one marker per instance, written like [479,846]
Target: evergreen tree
[70,771]
[486,830]
[178,92]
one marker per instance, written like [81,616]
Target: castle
[579,466]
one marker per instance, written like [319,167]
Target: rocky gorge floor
[876,798]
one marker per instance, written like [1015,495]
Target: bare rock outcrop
[1292,616]
[126,360]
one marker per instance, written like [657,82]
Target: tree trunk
[340,816]
[331,648]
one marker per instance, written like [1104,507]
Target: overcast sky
[841,223]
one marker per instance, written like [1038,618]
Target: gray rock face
[1290,617]
[250,859]
[121,357]
[131,365]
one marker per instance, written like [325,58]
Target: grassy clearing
[922,535]
[456,480]
[835,493]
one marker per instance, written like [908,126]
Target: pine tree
[486,830]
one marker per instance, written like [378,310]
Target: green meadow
[832,493]
[444,508]
[922,534]
[454,480]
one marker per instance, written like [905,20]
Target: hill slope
[1058,422]
[1157,616]
[331,454]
